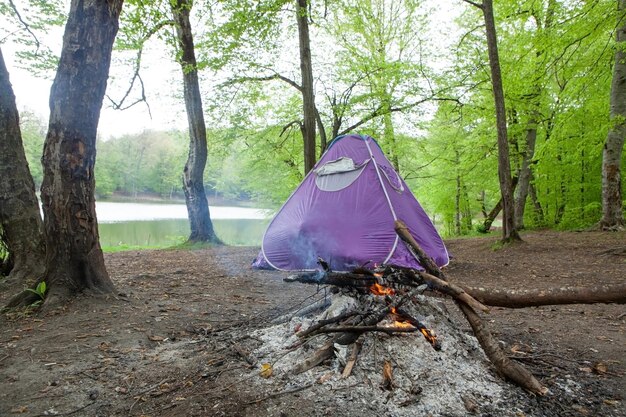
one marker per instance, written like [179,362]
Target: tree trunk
[74,260]
[612,216]
[532,191]
[523,185]
[509,233]
[20,221]
[193,174]
[521,190]
[308,97]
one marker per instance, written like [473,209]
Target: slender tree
[534,117]
[509,232]
[612,215]
[193,173]
[308,97]
[74,260]
[20,220]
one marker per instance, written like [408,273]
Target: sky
[161,76]
[166,111]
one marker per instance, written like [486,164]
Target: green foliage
[33,135]
[39,290]
[4,255]
[27,25]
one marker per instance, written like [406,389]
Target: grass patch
[124,248]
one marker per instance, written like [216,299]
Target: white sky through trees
[161,76]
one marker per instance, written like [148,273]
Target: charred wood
[363,329]
[338,279]
[356,349]
[311,330]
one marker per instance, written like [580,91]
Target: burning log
[426,332]
[503,364]
[338,279]
[569,295]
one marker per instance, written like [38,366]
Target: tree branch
[479,5]
[26,26]
[275,76]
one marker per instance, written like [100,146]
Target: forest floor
[167,344]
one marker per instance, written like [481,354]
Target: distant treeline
[452,173]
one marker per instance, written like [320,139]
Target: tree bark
[193,174]
[74,260]
[20,221]
[612,215]
[308,97]
[509,233]
[604,294]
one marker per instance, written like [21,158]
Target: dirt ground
[173,342]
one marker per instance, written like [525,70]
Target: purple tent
[344,212]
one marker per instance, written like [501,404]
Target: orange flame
[403,324]
[429,335]
[378,289]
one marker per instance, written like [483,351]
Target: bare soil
[173,342]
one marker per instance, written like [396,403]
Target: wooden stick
[327,351]
[364,329]
[352,360]
[509,369]
[304,333]
[424,259]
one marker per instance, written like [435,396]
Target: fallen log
[509,369]
[603,294]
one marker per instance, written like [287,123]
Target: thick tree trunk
[74,260]
[603,294]
[20,221]
[612,215]
[193,174]
[509,233]
[308,97]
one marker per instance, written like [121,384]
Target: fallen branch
[304,333]
[509,369]
[352,360]
[450,289]
[568,295]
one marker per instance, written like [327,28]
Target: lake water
[145,224]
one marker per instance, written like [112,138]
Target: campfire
[390,326]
